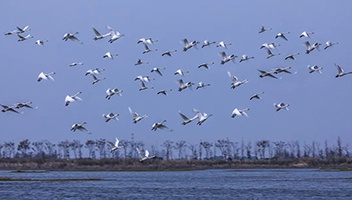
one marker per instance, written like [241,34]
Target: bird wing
[146,153]
[117,142]
[134,114]
[185,41]
[51,78]
[223,54]
[146,47]
[96,32]
[339,69]
[261,71]
[183,116]
[269,74]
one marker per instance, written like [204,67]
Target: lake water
[204,184]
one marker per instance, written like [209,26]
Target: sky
[319,103]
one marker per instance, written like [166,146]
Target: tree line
[222,149]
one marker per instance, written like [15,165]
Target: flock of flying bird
[148,44]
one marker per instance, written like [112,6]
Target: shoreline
[41,166]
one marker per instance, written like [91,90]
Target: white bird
[235,82]
[282,35]
[21,38]
[144,87]
[256,96]
[310,47]
[9,108]
[164,92]
[157,70]
[47,76]
[143,78]
[183,85]
[96,79]
[245,57]
[80,127]
[223,44]
[180,72]
[202,116]
[24,104]
[207,43]
[282,69]
[237,112]
[140,62]
[269,45]
[147,49]
[115,146]
[22,30]
[187,120]
[12,32]
[41,42]
[109,55]
[160,125]
[306,34]
[329,44]
[136,116]
[147,41]
[314,68]
[110,116]
[226,58]
[168,53]
[263,29]
[291,56]
[111,92]
[145,156]
[94,71]
[76,64]
[115,35]
[271,54]
[72,98]
[341,72]
[205,65]
[280,106]
[202,85]
[99,36]
[266,73]
[71,36]
[188,45]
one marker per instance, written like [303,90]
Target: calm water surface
[205,184]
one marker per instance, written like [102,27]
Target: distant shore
[32,165]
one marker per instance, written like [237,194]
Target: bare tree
[90,144]
[50,148]
[39,149]
[23,146]
[9,149]
[100,144]
[339,147]
[249,150]
[193,149]
[262,145]
[225,147]
[168,144]
[180,146]
[1,146]
[65,148]
[307,150]
[76,148]
[125,145]
[207,147]
[298,149]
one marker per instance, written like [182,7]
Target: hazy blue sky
[320,104]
